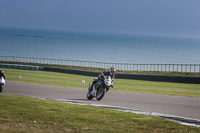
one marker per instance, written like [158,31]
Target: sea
[99,47]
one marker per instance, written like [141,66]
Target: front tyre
[89,95]
[100,94]
[1,88]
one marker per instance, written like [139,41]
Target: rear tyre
[100,94]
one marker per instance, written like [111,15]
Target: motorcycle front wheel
[1,88]
[100,94]
[89,95]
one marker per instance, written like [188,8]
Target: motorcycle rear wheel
[100,94]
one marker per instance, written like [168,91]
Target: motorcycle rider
[2,74]
[110,73]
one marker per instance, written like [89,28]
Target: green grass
[25,114]
[75,81]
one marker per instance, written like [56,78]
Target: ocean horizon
[99,47]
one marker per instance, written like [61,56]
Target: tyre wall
[16,66]
[161,78]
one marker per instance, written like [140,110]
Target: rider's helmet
[1,71]
[112,70]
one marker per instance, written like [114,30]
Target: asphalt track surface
[186,107]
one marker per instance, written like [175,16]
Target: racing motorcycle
[2,83]
[101,87]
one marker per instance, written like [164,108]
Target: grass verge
[75,81]
[25,114]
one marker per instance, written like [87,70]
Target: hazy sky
[162,17]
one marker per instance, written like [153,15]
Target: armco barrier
[161,78]
[16,66]
[71,71]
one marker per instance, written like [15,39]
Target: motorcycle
[101,87]
[2,83]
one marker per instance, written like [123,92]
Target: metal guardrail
[119,66]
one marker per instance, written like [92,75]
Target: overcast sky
[162,17]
